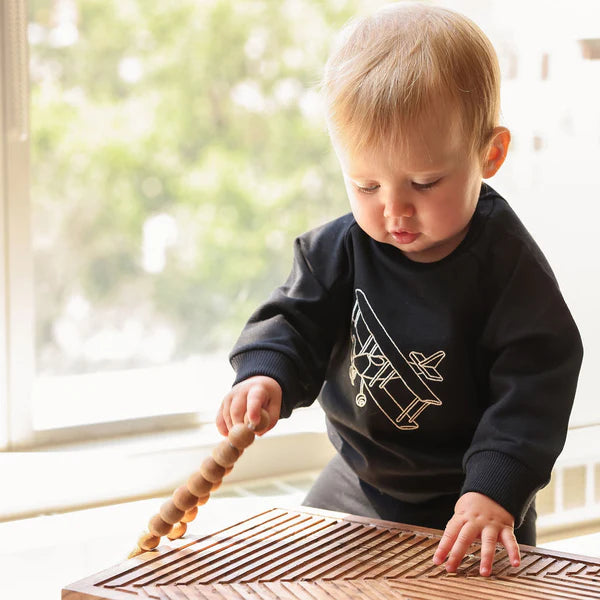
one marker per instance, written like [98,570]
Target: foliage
[197,117]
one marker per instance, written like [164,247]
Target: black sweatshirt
[445,377]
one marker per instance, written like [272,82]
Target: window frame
[88,465]
[129,437]
[17,266]
[17,304]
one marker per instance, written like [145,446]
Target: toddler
[427,321]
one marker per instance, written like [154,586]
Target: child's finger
[237,410]
[256,400]
[226,412]
[464,539]
[273,410]
[509,541]
[447,541]
[221,425]
[489,537]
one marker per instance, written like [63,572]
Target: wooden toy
[316,554]
[310,554]
[181,508]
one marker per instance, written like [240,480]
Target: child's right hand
[249,397]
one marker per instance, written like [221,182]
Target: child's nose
[398,206]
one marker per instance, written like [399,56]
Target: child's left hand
[477,517]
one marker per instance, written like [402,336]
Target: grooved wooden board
[309,554]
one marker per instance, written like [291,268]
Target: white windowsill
[97,473]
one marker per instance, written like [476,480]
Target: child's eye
[367,190]
[421,187]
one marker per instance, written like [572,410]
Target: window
[175,151]
[549,176]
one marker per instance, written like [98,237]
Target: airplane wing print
[395,383]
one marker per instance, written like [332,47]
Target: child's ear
[496,151]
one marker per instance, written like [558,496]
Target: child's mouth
[404,237]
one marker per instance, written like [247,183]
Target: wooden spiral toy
[182,507]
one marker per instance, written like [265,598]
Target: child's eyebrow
[372,169]
[360,176]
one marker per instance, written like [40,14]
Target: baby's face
[420,201]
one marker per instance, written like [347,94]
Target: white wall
[555,190]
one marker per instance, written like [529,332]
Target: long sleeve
[534,353]
[291,336]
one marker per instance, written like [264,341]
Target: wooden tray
[309,554]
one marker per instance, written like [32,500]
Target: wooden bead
[225,454]
[198,485]
[216,485]
[148,541]
[183,498]
[240,436]
[135,552]
[158,527]
[178,531]
[182,508]
[211,471]
[262,424]
[190,515]
[170,513]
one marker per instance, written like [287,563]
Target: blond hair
[405,64]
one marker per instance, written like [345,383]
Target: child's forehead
[421,151]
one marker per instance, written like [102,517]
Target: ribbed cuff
[503,479]
[271,364]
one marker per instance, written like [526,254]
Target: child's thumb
[256,399]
